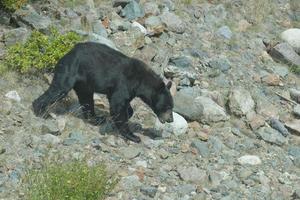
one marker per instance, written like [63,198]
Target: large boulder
[292,37]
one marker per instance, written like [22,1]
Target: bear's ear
[169,85]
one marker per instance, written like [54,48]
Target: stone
[152,22]
[130,182]
[200,108]
[281,71]
[240,101]
[224,32]
[182,62]
[99,29]
[13,95]
[296,110]
[130,152]
[140,27]
[122,3]
[173,22]
[256,122]
[17,35]
[169,4]
[192,174]
[179,126]
[100,39]
[118,24]
[132,11]
[75,138]
[249,160]
[28,16]
[50,139]
[5,107]
[292,37]
[50,127]
[285,53]
[215,145]
[277,125]
[293,126]
[151,8]
[184,189]
[149,191]
[271,136]
[202,147]
[271,79]
[222,64]
[295,95]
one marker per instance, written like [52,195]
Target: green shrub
[12,5]
[40,51]
[295,69]
[72,181]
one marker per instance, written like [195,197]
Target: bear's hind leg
[85,97]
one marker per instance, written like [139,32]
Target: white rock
[141,27]
[292,37]
[178,127]
[250,160]
[13,95]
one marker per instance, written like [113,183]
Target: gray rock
[75,138]
[130,182]
[99,29]
[50,139]
[292,37]
[294,151]
[198,108]
[118,23]
[50,127]
[132,11]
[280,70]
[5,107]
[169,4]
[214,15]
[151,8]
[173,22]
[182,62]
[240,101]
[149,191]
[293,126]
[216,145]
[224,32]
[185,189]
[185,82]
[277,125]
[296,110]
[100,39]
[28,16]
[13,95]
[152,22]
[202,147]
[130,152]
[192,174]
[179,126]
[283,52]
[17,35]
[295,95]
[249,160]
[123,3]
[222,64]
[272,136]
[4,18]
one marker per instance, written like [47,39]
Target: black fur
[92,67]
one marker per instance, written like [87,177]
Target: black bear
[92,67]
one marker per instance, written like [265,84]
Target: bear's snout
[166,117]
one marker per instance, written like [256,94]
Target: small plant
[295,69]
[12,5]
[40,51]
[72,181]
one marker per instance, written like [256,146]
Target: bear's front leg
[119,113]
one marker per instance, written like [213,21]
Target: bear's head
[163,103]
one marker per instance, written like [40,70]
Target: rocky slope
[241,101]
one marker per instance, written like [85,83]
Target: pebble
[130,152]
[192,174]
[249,160]
[13,95]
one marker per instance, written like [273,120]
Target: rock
[5,107]
[17,35]
[271,80]
[178,127]
[130,152]
[214,15]
[75,138]
[294,126]
[118,24]
[249,160]
[140,27]
[98,28]
[222,64]
[192,174]
[295,95]
[169,4]
[202,147]
[294,151]
[215,145]
[28,16]
[153,22]
[50,127]
[184,189]
[296,110]
[151,8]
[13,95]
[149,191]
[256,122]
[292,37]
[123,3]
[271,136]
[277,125]
[240,101]
[4,18]
[132,11]
[280,70]
[224,32]
[130,182]
[285,53]
[50,139]
[182,62]
[100,39]
[173,22]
